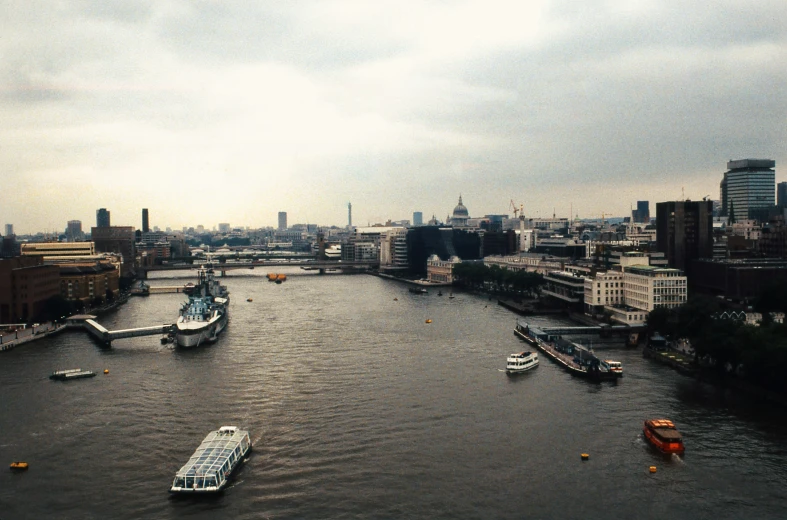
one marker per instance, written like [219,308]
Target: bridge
[98,331]
[320,265]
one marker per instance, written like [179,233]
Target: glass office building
[748,188]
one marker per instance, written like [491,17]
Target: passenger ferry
[663,435]
[210,467]
[521,362]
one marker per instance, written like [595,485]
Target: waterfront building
[393,249]
[418,218]
[737,279]
[9,230]
[445,242]
[102,218]
[441,271]
[145,221]
[25,286]
[282,220]
[89,284]
[748,188]
[605,289]
[568,287]
[50,251]
[117,239]
[460,215]
[496,243]
[529,262]
[684,232]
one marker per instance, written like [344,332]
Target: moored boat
[417,290]
[662,434]
[74,373]
[615,366]
[18,466]
[576,359]
[521,362]
[213,463]
[206,313]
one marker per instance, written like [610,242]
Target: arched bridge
[321,265]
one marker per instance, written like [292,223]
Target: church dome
[460,211]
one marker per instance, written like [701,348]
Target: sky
[210,111]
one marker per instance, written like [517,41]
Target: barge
[73,373]
[575,359]
[211,466]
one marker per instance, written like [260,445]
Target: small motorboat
[249,300]
[662,434]
[19,466]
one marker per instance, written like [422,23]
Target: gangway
[107,336]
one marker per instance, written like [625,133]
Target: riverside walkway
[98,331]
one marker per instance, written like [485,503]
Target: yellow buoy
[653,469]
[106,371]
[428,321]
[585,456]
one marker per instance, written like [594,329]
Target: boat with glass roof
[211,466]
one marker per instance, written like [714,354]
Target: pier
[98,331]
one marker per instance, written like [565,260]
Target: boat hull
[190,338]
[515,371]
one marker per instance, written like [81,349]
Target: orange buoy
[652,469]
[106,371]
[428,321]
[585,456]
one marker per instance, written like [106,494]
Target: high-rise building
[349,214]
[748,188]
[781,194]
[74,231]
[102,218]
[643,212]
[9,230]
[117,239]
[282,220]
[684,232]
[224,227]
[418,218]
[145,221]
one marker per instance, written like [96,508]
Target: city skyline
[229,112]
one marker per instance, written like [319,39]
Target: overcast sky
[231,111]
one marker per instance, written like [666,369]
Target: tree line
[756,353]
[477,276]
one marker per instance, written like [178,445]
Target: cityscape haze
[581,109]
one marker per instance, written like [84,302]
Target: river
[358,408]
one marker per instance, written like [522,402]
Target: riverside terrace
[321,265]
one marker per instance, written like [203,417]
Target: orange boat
[663,435]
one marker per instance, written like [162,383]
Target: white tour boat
[521,362]
[209,468]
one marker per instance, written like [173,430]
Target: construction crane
[520,209]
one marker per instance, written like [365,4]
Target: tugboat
[662,434]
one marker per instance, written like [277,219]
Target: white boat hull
[191,337]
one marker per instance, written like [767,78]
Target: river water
[360,409]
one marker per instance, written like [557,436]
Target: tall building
[117,239]
[642,212]
[224,227]
[145,220]
[102,218]
[748,189]
[418,218]
[9,230]
[684,232]
[781,194]
[282,220]
[349,214]
[74,231]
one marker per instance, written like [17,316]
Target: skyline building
[282,220]
[74,231]
[349,214]
[102,218]
[418,218]
[642,213]
[145,221]
[9,230]
[781,194]
[748,189]
[460,215]
[684,232]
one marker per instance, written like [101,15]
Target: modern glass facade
[750,186]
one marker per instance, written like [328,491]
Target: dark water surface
[359,409]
